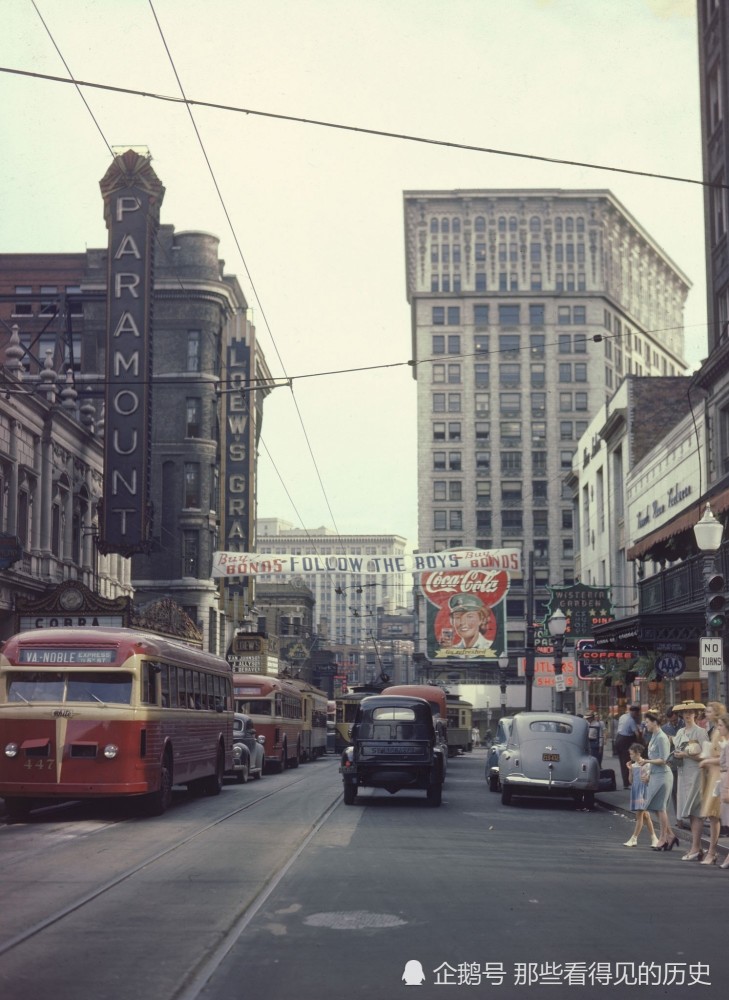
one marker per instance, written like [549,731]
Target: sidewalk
[619,801]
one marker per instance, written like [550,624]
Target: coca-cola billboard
[465,613]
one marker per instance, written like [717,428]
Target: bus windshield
[82,687]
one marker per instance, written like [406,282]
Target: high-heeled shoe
[671,844]
[693,856]
[654,841]
[660,846]
[631,843]
[725,862]
[710,859]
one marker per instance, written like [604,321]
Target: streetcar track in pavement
[208,968]
[118,879]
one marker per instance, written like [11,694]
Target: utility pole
[529,652]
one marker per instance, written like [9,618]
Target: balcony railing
[677,587]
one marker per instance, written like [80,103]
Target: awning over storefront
[681,523]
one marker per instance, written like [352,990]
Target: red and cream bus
[91,712]
[276,706]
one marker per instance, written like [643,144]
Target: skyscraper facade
[528,308]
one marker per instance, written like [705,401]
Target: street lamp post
[708,533]
[557,627]
[503,667]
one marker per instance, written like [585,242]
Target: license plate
[550,756]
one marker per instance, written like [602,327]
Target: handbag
[717,789]
[692,748]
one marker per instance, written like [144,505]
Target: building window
[483,402]
[565,430]
[536,345]
[455,520]
[481,314]
[511,463]
[564,315]
[565,460]
[580,372]
[193,350]
[454,316]
[192,485]
[538,376]
[509,315]
[439,489]
[509,376]
[454,343]
[440,520]
[483,489]
[536,315]
[580,344]
[566,519]
[439,373]
[194,418]
[439,461]
[539,489]
[564,343]
[510,404]
[539,404]
[439,402]
[565,402]
[480,283]
[49,300]
[539,463]
[511,490]
[565,372]
[483,431]
[539,433]
[190,553]
[454,374]
[455,490]
[510,433]
[454,461]
[438,316]
[22,308]
[509,346]
[481,373]
[454,430]
[438,343]
[579,315]
[439,431]
[454,402]
[481,343]
[512,520]
[483,461]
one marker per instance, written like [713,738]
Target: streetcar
[276,706]
[314,710]
[460,725]
[112,712]
[346,712]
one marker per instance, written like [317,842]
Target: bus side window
[182,679]
[173,686]
[165,684]
[148,693]
[195,701]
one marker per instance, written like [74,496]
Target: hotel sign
[132,198]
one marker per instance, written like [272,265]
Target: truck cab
[394,746]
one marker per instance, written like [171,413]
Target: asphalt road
[291,898]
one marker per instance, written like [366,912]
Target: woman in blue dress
[660,782]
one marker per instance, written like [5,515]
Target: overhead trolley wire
[362,130]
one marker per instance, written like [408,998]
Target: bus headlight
[11,749]
[110,751]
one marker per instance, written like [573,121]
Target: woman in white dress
[687,745]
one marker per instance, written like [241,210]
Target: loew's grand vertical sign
[132,196]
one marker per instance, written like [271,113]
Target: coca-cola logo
[490,585]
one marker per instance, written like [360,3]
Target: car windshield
[550,726]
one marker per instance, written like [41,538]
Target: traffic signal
[716,608]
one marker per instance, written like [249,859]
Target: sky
[310,218]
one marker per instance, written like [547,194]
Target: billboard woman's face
[468,624]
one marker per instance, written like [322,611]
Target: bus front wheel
[18,809]
[157,803]
[214,783]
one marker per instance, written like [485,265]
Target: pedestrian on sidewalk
[702,803]
[660,781]
[638,788]
[627,734]
[596,735]
[687,745]
[724,771]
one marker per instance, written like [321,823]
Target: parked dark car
[248,750]
[495,751]
[394,746]
[548,753]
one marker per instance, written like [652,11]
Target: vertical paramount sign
[132,197]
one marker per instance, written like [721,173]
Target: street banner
[287,563]
[465,613]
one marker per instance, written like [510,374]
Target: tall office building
[529,307]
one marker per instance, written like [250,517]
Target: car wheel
[493,782]
[588,800]
[434,794]
[506,794]
[350,793]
